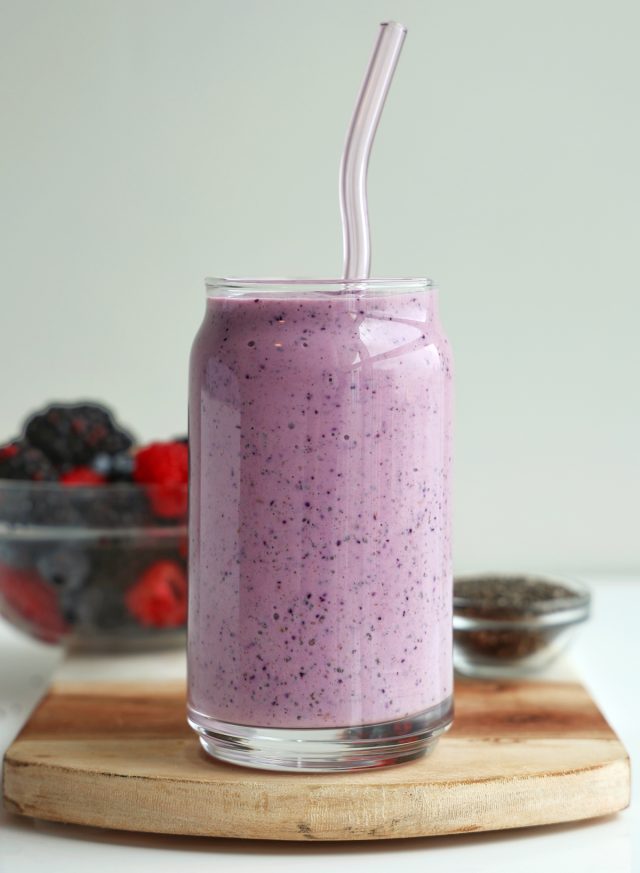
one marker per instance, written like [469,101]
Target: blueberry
[115,468]
[64,568]
[67,570]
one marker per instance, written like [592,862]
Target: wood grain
[121,756]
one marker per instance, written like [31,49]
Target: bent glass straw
[355,158]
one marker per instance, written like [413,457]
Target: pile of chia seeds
[502,596]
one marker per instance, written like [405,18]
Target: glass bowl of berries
[93,534]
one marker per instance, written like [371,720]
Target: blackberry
[72,435]
[19,460]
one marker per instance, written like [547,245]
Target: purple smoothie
[320,573]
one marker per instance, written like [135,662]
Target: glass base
[324,750]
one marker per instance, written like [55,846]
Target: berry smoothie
[320,574]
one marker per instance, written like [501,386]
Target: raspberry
[26,597]
[72,434]
[165,465]
[82,476]
[159,597]
[183,547]
[19,460]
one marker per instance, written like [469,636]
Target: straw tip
[394,24]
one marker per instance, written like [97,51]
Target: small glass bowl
[502,643]
[94,567]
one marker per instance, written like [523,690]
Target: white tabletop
[607,655]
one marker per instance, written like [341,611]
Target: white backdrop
[148,143]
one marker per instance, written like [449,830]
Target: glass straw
[355,158]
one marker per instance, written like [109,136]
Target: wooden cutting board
[121,756]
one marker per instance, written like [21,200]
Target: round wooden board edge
[139,804]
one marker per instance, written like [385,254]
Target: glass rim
[15,527]
[103,491]
[15,532]
[579,599]
[270,285]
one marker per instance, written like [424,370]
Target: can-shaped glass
[320,586]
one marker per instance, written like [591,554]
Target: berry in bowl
[93,535]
